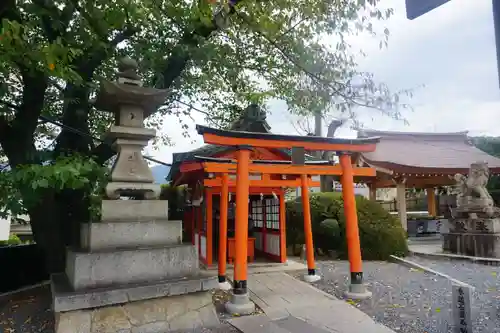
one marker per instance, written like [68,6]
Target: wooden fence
[412,204]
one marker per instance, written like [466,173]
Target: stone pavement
[426,247]
[293,306]
[292,264]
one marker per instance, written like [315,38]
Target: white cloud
[451,50]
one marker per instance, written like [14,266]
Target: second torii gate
[244,142]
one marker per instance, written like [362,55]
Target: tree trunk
[327,181]
[47,233]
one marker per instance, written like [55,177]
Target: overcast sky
[450,50]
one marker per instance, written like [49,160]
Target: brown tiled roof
[411,150]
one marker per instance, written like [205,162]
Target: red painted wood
[231,249]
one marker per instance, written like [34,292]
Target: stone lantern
[130,102]
[131,267]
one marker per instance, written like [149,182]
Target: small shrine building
[420,160]
[267,230]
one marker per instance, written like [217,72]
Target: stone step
[66,299]
[126,235]
[263,324]
[133,210]
[117,267]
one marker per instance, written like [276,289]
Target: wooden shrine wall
[266,220]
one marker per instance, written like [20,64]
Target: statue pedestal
[478,237]
[130,275]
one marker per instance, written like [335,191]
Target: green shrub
[13,240]
[380,233]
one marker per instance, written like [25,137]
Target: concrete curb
[458,257]
[34,286]
[411,264]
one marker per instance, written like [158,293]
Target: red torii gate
[244,142]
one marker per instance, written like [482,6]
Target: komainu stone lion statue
[472,193]
[475,184]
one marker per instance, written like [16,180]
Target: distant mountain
[160,172]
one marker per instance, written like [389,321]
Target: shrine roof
[414,150]
[229,160]
[283,137]
[252,119]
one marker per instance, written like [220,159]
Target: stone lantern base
[132,274]
[157,315]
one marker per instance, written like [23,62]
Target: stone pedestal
[474,228]
[159,315]
[473,236]
[131,272]
[129,263]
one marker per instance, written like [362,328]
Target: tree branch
[180,56]
[10,105]
[26,120]
[4,129]
[94,25]
[175,65]
[8,10]
[53,13]
[123,36]
[57,85]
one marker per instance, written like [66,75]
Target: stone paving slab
[263,324]
[295,325]
[279,295]
[256,324]
[294,264]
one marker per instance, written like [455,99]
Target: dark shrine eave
[283,137]
[232,161]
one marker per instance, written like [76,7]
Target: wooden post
[401,203]
[264,226]
[224,203]
[308,235]
[240,302]
[241,232]
[209,217]
[282,228]
[356,288]
[431,201]
[373,192]
[193,224]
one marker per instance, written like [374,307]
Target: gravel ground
[486,281]
[30,312]
[27,312]
[406,300]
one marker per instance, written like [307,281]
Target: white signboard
[4,229]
